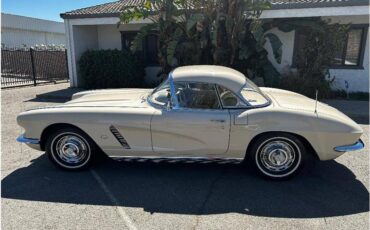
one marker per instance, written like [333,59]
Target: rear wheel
[278,155]
[70,149]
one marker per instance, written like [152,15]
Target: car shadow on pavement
[194,188]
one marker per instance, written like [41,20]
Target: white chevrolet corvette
[198,112]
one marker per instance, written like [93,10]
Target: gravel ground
[172,195]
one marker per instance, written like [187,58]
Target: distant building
[20,31]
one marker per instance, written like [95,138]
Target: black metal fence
[21,67]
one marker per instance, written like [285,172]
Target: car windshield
[159,94]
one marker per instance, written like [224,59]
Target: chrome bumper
[23,139]
[346,148]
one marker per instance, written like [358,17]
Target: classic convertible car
[198,112]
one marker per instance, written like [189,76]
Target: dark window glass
[150,46]
[197,96]
[300,43]
[126,39]
[353,47]
[229,99]
[151,49]
[338,57]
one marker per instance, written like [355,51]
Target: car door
[199,127]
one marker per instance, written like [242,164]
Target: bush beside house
[111,69]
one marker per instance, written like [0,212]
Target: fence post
[67,63]
[33,67]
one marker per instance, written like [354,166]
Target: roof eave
[302,5]
[80,16]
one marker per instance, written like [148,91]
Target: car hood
[294,101]
[109,98]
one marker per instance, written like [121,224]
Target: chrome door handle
[218,121]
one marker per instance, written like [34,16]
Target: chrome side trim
[180,158]
[346,148]
[23,139]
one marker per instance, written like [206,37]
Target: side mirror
[169,101]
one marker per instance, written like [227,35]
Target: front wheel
[278,156]
[70,149]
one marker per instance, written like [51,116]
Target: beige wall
[85,38]
[109,37]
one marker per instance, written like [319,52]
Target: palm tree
[220,32]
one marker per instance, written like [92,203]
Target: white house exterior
[18,31]
[96,28]
[346,12]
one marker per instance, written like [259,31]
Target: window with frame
[350,55]
[197,96]
[189,95]
[150,46]
[229,99]
[126,39]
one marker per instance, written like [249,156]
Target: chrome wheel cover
[70,150]
[278,157]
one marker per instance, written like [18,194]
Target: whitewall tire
[278,156]
[70,149]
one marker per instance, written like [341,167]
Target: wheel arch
[305,142]
[54,127]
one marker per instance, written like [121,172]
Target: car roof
[223,76]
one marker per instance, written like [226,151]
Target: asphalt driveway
[143,194]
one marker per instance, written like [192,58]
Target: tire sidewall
[299,148]
[51,149]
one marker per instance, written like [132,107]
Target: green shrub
[306,86]
[111,69]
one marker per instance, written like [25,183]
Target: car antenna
[317,93]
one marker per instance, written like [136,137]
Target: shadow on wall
[195,188]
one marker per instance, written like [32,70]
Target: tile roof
[103,10]
[113,9]
[297,4]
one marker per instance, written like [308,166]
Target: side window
[253,97]
[197,96]
[229,99]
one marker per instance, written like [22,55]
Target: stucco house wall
[109,37]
